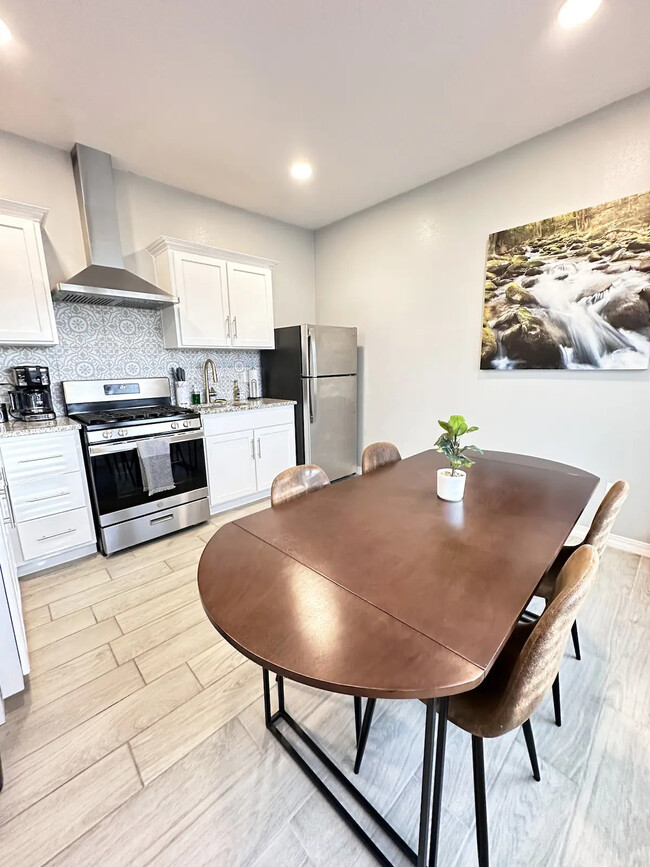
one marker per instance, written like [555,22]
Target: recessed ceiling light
[575,12]
[301,171]
[5,33]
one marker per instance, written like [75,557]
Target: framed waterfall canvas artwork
[571,292]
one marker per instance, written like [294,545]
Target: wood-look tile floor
[141,738]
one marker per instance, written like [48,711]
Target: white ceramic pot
[451,487]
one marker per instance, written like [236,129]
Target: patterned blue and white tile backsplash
[110,342]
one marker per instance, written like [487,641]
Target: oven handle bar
[113,448]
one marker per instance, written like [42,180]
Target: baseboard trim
[622,543]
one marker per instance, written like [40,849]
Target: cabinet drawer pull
[48,497]
[252,449]
[227,326]
[234,326]
[259,447]
[56,535]
[35,460]
[161,519]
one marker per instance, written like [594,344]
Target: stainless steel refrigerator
[316,365]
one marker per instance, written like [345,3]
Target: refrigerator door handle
[312,400]
[311,351]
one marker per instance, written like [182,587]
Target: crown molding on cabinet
[165,243]
[20,209]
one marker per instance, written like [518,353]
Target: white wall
[41,175]
[410,271]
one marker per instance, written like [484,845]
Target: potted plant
[451,480]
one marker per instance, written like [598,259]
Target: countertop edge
[13,429]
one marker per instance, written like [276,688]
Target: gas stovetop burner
[133,414]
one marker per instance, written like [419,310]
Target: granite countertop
[33,428]
[231,406]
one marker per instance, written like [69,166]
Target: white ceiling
[220,96]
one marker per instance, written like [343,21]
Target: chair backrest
[296,482]
[606,514]
[539,660]
[379,455]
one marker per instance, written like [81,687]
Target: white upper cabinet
[251,306]
[226,298]
[201,316]
[26,313]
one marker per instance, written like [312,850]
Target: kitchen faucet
[210,390]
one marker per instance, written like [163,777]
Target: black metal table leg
[480,804]
[443,707]
[431,789]
[427,781]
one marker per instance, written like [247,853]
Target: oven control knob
[107,434]
[122,432]
[186,424]
[174,425]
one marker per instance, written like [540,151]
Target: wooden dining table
[375,587]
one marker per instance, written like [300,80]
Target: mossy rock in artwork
[489,296]
[534,271]
[490,286]
[516,294]
[595,257]
[490,276]
[532,341]
[535,263]
[488,346]
[497,266]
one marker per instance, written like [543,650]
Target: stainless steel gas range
[115,416]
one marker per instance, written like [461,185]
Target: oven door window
[118,481]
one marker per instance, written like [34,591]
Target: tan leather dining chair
[296,482]
[517,682]
[598,536]
[379,455]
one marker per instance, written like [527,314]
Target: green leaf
[473,449]
[444,425]
[472,429]
[457,423]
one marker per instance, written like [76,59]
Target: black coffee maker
[31,399]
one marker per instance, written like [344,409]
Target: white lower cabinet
[275,451]
[50,517]
[231,464]
[44,537]
[245,452]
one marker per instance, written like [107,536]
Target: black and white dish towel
[155,465]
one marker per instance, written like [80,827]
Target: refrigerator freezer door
[330,421]
[328,350]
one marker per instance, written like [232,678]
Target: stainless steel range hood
[105,281]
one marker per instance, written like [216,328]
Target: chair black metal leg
[441,742]
[557,707]
[532,752]
[363,735]
[357,719]
[576,640]
[480,804]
